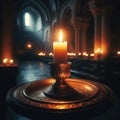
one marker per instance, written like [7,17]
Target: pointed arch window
[27,19]
[30,20]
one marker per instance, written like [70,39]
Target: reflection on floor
[28,71]
[31,71]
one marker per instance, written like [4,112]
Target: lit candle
[29,45]
[11,61]
[60,50]
[5,60]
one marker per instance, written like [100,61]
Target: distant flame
[29,45]
[118,52]
[11,61]
[99,50]
[8,61]
[5,60]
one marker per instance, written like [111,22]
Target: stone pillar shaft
[96,12]
[84,37]
[101,29]
[80,26]
[77,27]
[105,36]
[7,30]
[97,33]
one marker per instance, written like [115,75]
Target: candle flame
[29,45]
[5,60]
[11,61]
[118,52]
[60,36]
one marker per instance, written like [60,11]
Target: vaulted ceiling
[47,8]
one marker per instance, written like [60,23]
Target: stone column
[101,13]
[84,28]
[76,22]
[96,11]
[80,25]
[7,30]
[105,36]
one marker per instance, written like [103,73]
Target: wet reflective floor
[31,71]
[28,71]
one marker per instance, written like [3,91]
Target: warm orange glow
[60,32]
[88,87]
[50,54]
[60,36]
[29,45]
[41,54]
[5,60]
[105,46]
[11,61]
[99,51]
[79,53]
[6,43]
[118,52]
[92,54]
[85,54]
[60,49]
[61,106]
[71,54]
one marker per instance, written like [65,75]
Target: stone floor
[28,71]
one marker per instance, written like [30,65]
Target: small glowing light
[71,54]
[85,54]
[29,45]
[118,52]
[79,53]
[41,54]
[11,61]
[99,50]
[51,54]
[5,60]
[92,54]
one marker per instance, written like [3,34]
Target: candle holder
[61,89]
[60,96]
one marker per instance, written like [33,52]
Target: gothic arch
[82,11]
[82,8]
[66,16]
